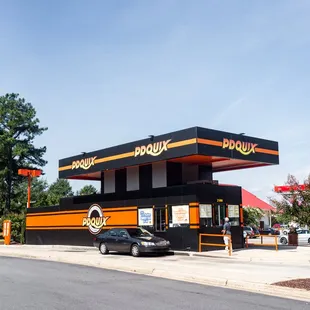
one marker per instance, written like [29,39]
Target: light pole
[29,173]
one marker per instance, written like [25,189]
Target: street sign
[288,188]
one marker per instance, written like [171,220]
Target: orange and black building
[164,183]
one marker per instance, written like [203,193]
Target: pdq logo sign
[95,219]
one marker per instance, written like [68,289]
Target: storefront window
[160,219]
[233,214]
[205,215]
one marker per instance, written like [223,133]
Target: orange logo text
[245,148]
[153,149]
[95,219]
[84,163]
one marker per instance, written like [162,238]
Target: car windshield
[138,232]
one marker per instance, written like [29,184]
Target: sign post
[7,232]
[30,173]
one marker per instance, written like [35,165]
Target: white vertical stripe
[132,178]
[109,181]
[159,174]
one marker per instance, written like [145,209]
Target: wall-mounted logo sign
[245,148]
[84,163]
[153,149]
[95,219]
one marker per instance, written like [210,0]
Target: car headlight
[147,243]
[168,242]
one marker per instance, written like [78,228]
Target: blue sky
[95,69]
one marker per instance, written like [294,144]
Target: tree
[59,189]
[87,190]
[39,194]
[252,216]
[296,203]
[281,218]
[19,126]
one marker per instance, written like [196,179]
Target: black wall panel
[120,181]
[174,174]
[145,179]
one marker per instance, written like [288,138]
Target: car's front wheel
[135,251]
[283,241]
[309,240]
[103,249]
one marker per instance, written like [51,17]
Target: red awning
[251,201]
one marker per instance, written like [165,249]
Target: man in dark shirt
[226,231]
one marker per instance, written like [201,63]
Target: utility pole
[9,181]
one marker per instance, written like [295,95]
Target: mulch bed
[303,284]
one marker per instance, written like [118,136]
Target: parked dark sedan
[269,231]
[131,240]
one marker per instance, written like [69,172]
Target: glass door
[160,219]
[219,214]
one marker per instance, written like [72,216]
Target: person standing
[226,232]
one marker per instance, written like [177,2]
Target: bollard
[7,232]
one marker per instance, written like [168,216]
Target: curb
[253,259]
[266,289]
[305,262]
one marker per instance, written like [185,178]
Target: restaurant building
[163,183]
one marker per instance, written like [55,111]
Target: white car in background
[303,237]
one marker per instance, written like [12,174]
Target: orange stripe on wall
[194,215]
[114,157]
[181,143]
[209,142]
[265,151]
[80,211]
[116,218]
[65,168]
[56,220]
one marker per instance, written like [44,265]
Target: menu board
[233,211]
[180,214]
[146,217]
[205,211]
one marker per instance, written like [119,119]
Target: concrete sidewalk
[252,270]
[286,254]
